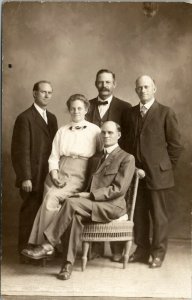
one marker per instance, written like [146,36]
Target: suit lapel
[108,160]
[39,121]
[150,115]
[96,115]
[112,109]
[135,116]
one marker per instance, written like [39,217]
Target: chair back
[132,192]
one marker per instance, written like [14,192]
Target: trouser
[151,203]
[68,226]
[31,203]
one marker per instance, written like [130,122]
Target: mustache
[104,89]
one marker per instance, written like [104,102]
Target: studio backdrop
[67,43]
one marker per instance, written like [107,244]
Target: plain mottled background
[67,43]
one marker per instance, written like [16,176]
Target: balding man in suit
[32,138]
[154,139]
[111,173]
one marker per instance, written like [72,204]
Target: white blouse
[70,141]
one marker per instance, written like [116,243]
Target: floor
[102,278]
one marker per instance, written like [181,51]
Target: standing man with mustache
[106,107]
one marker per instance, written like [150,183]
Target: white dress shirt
[147,105]
[41,111]
[108,150]
[103,108]
[69,141]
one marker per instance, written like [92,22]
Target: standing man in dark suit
[33,133]
[106,107]
[154,140]
[104,201]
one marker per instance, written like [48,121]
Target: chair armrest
[140,173]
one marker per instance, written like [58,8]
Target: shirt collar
[39,109]
[109,99]
[110,149]
[148,104]
[81,123]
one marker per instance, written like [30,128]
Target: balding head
[110,133]
[145,88]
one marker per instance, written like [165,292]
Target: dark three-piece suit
[154,140]
[108,183]
[31,146]
[117,112]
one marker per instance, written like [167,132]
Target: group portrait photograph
[96,159]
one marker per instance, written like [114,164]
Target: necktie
[143,111]
[102,102]
[103,157]
[45,115]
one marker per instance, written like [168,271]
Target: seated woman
[72,146]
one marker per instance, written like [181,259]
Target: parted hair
[78,97]
[105,71]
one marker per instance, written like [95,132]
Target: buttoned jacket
[109,183]
[31,146]
[160,143]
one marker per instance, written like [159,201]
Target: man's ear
[114,83]
[119,135]
[34,94]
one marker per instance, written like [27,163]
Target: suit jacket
[31,146]
[109,183]
[117,112]
[160,145]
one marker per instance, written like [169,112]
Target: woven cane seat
[113,231]
[117,230]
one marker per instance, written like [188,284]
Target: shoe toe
[65,272]
[156,263]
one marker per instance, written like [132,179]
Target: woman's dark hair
[78,97]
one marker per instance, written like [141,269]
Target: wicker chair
[117,230]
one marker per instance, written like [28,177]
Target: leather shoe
[156,263]
[39,252]
[117,257]
[142,258]
[65,272]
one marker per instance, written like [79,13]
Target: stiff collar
[110,149]
[39,109]
[109,99]
[81,123]
[148,104]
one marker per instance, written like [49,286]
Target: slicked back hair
[116,124]
[105,71]
[36,85]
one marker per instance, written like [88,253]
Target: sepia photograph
[96,150]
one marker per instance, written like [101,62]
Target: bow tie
[77,127]
[102,102]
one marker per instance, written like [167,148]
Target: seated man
[112,172]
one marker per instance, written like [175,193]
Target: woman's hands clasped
[55,179]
